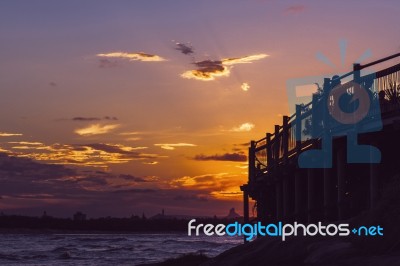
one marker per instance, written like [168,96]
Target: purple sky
[121,107]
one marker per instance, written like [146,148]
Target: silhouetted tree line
[111,224]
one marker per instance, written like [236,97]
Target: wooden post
[298,129]
[276,147]
[277,175]
[287,195]
[356,72]
[285,139]
[269,152]
[252,161]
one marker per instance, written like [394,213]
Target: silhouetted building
[79,216]
[135,217]
[161,216]
[232,214]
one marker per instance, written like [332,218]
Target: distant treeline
[101,224]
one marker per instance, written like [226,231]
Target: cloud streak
[172,146]
[295,9]
[6,134]
[85,119]
[140,56]
[243,60]
[96,129]
[233,157]
[106,63]
[93,154]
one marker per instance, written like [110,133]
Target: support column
[342,186]
[312,195]
[270,204]
[300,196]
[373,184]
[260,209]
[279,203]
[329,195]
[245,205]
[287,193]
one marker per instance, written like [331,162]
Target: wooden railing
[299,131]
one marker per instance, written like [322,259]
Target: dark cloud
[24,166]
[191,198]
[135,190]
[53,84]
[93,180]
[207,70]
[295,9]
[204,178]
[110,118]
[211,69]
[85,119]
[210,65]
[241,147]
[79,148]
[132,178]
[29,188]
[234,157]
[247,144]
[106,63]
[184,48]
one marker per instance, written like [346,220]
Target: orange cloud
[207,74]
[243,60]
[5,134]
[171,146]
[219,186]
[94,154]
[245,86]
[245,127]
[145,57]
[208,70]
[26,143]
[96,129]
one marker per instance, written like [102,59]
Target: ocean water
[106,249]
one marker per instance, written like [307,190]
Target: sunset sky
[123,107]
